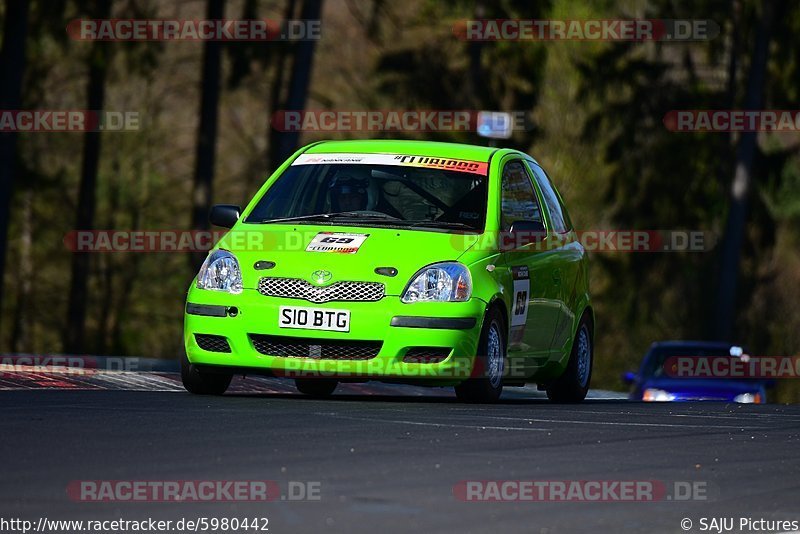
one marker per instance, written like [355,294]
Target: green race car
[400,261]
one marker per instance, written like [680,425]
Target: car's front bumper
[398,327]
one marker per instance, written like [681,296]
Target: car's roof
[419,148]
[680,344]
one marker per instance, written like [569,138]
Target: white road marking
[422,423]
[619,423]
[628,423]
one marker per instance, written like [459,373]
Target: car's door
[567,255]
[534,301]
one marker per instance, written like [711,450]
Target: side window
[551,201]
[517,201]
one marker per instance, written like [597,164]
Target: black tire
[316,387]
[201,383]
[573,385]
[486,384]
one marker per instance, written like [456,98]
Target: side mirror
[628,377]
[224,215]
[525,232]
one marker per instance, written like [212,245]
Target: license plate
[314,318]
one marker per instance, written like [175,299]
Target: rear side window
[517,201]
[552,203]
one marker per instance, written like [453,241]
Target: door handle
[557,275]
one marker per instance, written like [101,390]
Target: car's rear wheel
[486,384]
[573,385]
[316,387]
[203,383]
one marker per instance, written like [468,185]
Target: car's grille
[212,343]
[426,354]
[318,349]
[296,288]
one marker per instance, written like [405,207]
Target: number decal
[520,303]
[522,288]
[338,242]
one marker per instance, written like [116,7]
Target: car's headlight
[748,398]
[657,395]
[440,282]
[220,272]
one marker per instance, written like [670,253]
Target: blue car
[658,381]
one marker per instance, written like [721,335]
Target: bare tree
[21,332]
[276,96]
[99,58]
[287,142]
[742,181]
[202,192]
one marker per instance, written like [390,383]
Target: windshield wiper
[446,224]
[344,214]
[366,215]
[287,219]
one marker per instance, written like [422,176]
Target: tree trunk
[202,193]
[276,97]
[106,267]
[733,60]
[742,183]
[99,58]
[300,80]
[21,332]
[476,78]
[12,69]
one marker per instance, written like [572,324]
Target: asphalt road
[389,463]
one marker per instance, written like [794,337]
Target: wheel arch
[588,312]
[584,308]
[499,303]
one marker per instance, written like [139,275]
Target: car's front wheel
[486,384]
[573,385]
[202,383]
[316,387]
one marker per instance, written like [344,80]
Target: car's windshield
[390,195]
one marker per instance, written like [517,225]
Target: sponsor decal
[447,164]
[522,289]
[519,306]
[339,242]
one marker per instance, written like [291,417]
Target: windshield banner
[447,164]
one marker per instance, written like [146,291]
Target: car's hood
[703,389]
[287,246]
